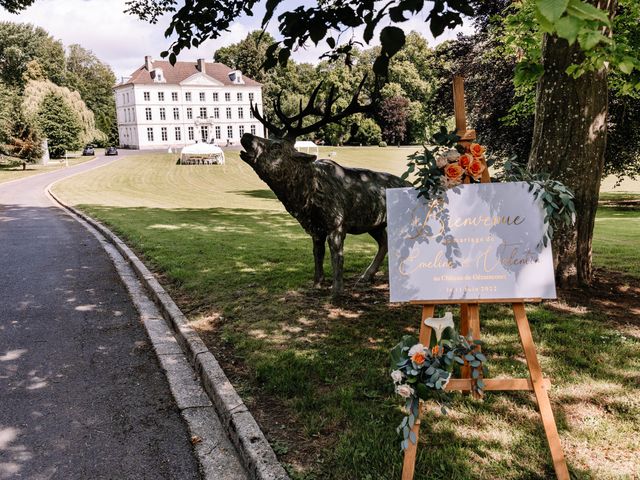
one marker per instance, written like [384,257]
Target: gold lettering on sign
[421,221]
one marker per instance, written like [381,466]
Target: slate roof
[174,74]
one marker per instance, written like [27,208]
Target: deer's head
[274,160]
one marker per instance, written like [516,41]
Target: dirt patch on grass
[612,295]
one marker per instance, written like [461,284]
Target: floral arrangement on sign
[421,373]
[447,164]
[460,164]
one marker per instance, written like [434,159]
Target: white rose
[441,162]
[452,155]
[396,375]
[404,391]
[418,347]
[447,182]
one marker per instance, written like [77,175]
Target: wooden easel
[470,324]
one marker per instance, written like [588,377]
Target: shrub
[382,144]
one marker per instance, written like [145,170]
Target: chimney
[201,65]
[148,63]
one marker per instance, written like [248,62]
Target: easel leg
[469,322]
[473,312]
[465,370]
[542,397]
[409,464]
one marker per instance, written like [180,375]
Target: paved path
[81,393]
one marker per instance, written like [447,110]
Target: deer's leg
[318,256]
[336,243]
[380,236]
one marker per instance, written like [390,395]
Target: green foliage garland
[422,373]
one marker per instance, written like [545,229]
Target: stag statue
[327,199]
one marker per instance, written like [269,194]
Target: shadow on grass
[265,193]
[316,374]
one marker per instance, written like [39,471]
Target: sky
[122,40]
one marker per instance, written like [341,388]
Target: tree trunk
[569,140]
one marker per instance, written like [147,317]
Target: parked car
[88,151]
[111,151]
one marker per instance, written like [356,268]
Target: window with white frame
[150,134]
[253,129]
[241,130]
[204,133]
[227,97]
[187,96]
[178,133]
[229,131]
[203,112]
[251,112]
[239,96]
[174,96]
[240,112]
[147,113]
[189,113]
[161,96]
[190,133]
[251,96]
[147,96]
[127,97]
[216,112]
[163,113]
[229,112]
[202,97]
[215,96]
[176,113]
[164,134]
[218,132]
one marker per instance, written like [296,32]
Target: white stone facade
[156,114]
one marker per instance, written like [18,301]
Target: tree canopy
[31,58]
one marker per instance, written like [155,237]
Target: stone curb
[254,449]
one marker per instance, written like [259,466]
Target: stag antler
[291,131]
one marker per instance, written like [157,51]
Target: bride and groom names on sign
[477,241]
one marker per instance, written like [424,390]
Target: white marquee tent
[202,154]
[307,145]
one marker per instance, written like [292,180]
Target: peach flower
[453,171]
[476,149]
[475,168]
[465,160]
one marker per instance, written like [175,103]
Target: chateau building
[163,106]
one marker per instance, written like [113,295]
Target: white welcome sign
[480,241]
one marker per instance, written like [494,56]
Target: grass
[315,374]
[11,168]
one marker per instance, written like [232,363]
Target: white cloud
[122,40]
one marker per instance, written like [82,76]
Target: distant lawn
[315,375]
[11,168]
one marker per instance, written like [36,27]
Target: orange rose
[476,167]
[454,171]
[435,351]
[465,160]
[476,149]
[418,358]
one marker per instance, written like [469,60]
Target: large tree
[59,124]
[94,80]
[21,44]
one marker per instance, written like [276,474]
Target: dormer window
[158,76]
[236,77]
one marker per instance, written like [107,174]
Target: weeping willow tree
[35,94]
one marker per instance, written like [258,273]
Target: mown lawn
[316,375]
[11,168]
